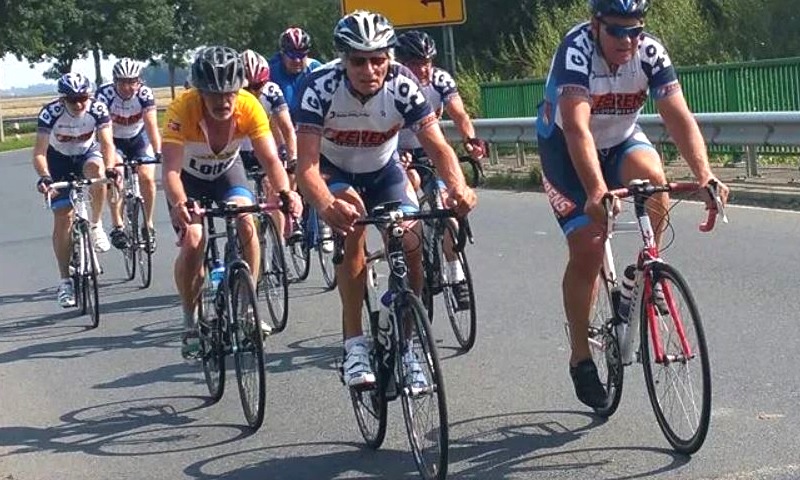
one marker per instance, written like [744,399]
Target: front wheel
[423,393]
[141,243]
[129,255]
[675,359]
[90,293]
[248,347]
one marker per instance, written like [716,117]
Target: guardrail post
[752,161]
[494,157]
[520,154]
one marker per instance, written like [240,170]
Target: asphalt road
[118,402]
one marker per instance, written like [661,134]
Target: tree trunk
[171,70]
[98,75]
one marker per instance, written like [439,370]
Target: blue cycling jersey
[289,83]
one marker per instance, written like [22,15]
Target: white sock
[455,272]
[350,342]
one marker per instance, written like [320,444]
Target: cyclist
[416,50]
[256,71]
[73,138]
[348,116]
[290,65]
[589,141]
[203,131]
[135,129]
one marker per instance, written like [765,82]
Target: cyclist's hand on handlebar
[462,199]
[722,192]
[180,216]
[595,208]
[43,184]
[291,203]
[405,158]
[476,148]
[340,216]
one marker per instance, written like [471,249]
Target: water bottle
[217,274]
[384,323]
[623,327]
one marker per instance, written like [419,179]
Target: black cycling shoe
[119,239]
[461,292]
[587,384]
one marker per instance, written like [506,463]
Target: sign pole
[451,48]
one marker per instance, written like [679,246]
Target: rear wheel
[423,397]
[370,406]
[463,317]
[678,383]
[604,345]
[273,284]
[249,352]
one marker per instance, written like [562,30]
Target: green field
[30,106]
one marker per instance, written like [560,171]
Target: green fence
[766,85]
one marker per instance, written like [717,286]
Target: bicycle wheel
[679,383]
[370,406]
[77,263]
[212,349]
[301,259]
[141,243]
[424,409]
[605,348]
[273,283]
[91,295]
[463,318]
[248,355]
[430,264]
[130,217]
[326,264]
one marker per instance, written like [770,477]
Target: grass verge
[26,140]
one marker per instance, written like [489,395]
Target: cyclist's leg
[390,184]
[92,166]
[60,168]
[147,175]
[118,236]
[585,243]
[232,186]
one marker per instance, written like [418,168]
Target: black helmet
[415,44]
[620,8]
[363,31]
[218,70]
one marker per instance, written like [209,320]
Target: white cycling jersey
[127,116]
[441,88]
[361,136]
[578,67]
[271,98]
[69,134]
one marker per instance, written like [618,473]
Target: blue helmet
[72,84]
[620,8]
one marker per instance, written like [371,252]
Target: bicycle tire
[430,466]
[604,346]
[370,405]
[92,295]
[327,267]
[248,338]
[141,243]
[130,217]
[301,259]
[212,349]
[77,263]
[465,321]
[656,374]
[273,283]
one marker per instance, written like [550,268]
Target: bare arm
[40,154]
[684,131]
[267,154]
[576,112]
[309,178]
[171,173]
[445,159]
[151,127]
[283,120]
[106,139]
[456,111]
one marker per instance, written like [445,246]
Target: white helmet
[363,31]
[126,68]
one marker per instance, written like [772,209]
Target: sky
[14,73]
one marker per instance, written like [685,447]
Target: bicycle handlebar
[230,209]
[143,160]
[644,189]
[78,182]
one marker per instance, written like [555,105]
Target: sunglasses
[78,99]
[128,81]
[621,31]
[295,55]
[361,61]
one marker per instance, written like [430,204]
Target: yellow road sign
[413,13]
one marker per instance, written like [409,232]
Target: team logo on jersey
[360,138]
[562,205]
[63,138]
[121,120]
[174,126]
[577,61]
[618,103]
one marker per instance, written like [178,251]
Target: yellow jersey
[185,126]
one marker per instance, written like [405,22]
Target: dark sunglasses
[76,99]
[361,61]
[620,31]
[295,55]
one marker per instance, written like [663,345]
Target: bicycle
[140,246]
[273,281]
[440,278]
[316,236]
[228,320]
[667,349]
[84,266]
[395,319]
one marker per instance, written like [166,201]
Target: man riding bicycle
[589,141]
[349,114]
[416,50]
[132,106]
[68,132]
[291,64]
[204,129]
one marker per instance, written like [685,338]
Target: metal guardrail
[748,130]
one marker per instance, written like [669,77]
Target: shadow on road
[321,352]
[146,426]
